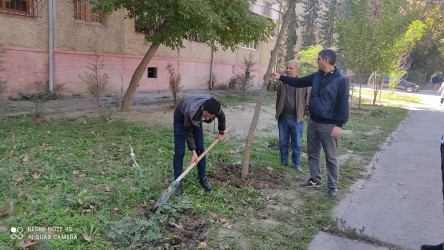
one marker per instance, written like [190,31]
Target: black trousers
[442,167]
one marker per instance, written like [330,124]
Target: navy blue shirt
[328,98]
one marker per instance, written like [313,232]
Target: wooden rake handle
[176,182]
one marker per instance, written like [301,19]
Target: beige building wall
[25,41]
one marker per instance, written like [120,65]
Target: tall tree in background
[355,38]
[225,22]
[291,36]
[428,55]
[308,60]
[326,25]
[309,23]
[391,25]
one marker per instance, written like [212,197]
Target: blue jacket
[328,98]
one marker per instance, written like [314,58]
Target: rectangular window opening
[152,72]
[251,45]
[267,9]
[83,13]
[16,6]
[196,38]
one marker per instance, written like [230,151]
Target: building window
[267,9]
[82,13]
[144,30]
[16,6]
[196,38]
[152,72]
[251,45]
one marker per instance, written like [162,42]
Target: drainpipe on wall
[211,86]
[122,30]
[50,45]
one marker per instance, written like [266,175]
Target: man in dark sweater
[188,118]
[328,110]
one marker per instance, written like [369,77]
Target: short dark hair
[328,54]
[212,106]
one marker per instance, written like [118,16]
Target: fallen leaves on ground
[263,216]
[36,175]
[203,244]
[27,243]
[18,179]
[25,159]
[4,228]
[30,214]
[87,238]
[5,209]
[88,209]
[225,223]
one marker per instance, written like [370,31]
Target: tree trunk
[246,162]
[135,79]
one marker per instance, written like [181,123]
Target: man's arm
[221,127]
[297,82]
[221,120]
[343,107]
[188,133]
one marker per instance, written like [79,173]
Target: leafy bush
[307,60]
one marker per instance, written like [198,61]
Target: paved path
[401,202]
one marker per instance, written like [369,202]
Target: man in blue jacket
[328,109]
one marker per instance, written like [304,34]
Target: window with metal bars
[267,9]
[251,45]
[82,13]
[16,6]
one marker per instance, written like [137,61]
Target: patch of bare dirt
[191,234]
[258,177]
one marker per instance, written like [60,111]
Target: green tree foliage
[309,22]
[376,37]
[227,23]
[428,56]
[390,25]
[291,37]
[355,35]
[307,60]
[326,25]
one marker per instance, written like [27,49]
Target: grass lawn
[75,177]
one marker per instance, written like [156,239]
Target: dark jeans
[179,149]
[442,167]
[290,128]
